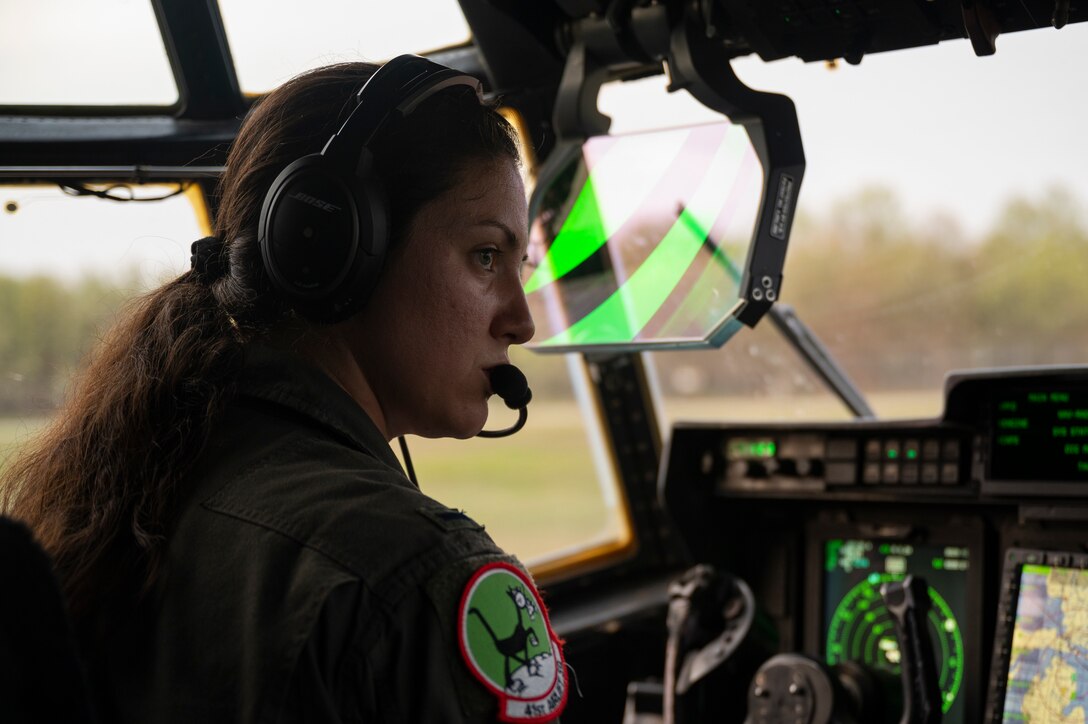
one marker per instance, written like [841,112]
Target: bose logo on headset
[316,203]
[323,255]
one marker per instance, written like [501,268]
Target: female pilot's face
[448,306]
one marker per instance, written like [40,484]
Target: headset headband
[391,93]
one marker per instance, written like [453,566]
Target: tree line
[899,301]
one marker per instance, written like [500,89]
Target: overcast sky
[945,130]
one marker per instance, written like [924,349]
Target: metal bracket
[981,26]
[701,65]
[576,116]
[698,62]
[1061,14]
[627,38]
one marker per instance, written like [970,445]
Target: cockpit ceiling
[523,43]
[827,29]
[518,48]
[233,49]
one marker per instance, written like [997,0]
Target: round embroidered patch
[509,645]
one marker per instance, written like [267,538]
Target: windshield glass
[939,227]
[103,53]
[273,40]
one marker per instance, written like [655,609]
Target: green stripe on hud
[582,234]
[622,173]
[622,315]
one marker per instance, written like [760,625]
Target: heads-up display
[642,240]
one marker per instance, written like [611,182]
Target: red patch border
[557,644]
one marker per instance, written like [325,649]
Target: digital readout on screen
[1039,434]
[750,449]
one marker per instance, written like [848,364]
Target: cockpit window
[273,40]
[938,228]
[108,52]
[67,264]
[757,375]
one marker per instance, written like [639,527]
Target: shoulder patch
[508,644]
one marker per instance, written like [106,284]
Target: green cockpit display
[1039,434]
[750,449]
[859,627]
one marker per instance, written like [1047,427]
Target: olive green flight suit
[308,579]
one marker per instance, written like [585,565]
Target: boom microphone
[510,384]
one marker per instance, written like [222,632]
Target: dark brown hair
[100,485]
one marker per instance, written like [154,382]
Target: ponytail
[97,486]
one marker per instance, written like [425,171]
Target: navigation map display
[859,627]
[1048,663]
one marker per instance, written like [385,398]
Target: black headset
[324,227]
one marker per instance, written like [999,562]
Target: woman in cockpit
[235,538]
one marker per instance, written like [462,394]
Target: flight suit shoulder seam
[282,526]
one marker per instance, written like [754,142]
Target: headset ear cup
[321,238]
[372,215]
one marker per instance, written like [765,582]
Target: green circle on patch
[508,644]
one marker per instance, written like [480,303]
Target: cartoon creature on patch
[509,645]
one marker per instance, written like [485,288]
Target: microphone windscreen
[510,384]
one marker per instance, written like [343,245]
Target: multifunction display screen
[858,625]
[1048,662]
[1039,434]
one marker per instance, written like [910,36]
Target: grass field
[537,492]
[14,431]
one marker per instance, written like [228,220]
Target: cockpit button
[841,473]
[931,450]
[870,474]
[890,473]
[930,474]
[842,449]
[873,449]
[950,473]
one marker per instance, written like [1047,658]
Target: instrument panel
[1020,432]
[901,459]
[816,517]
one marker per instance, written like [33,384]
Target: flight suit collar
[289,381]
